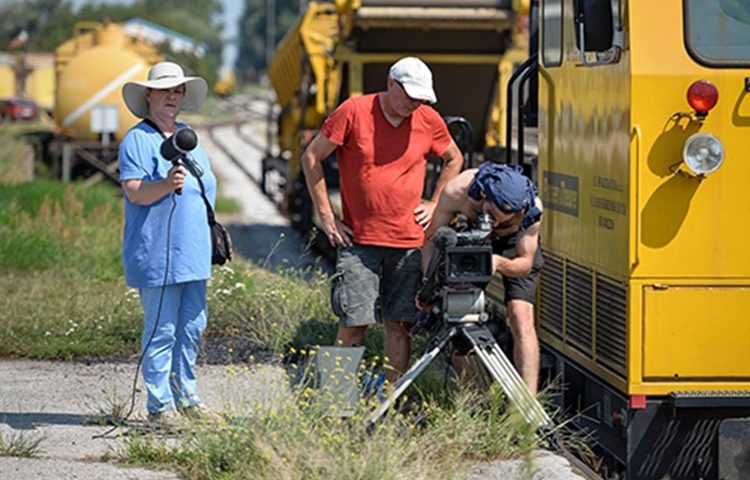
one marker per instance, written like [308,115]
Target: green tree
[252,34]
[197,19]
[48,23]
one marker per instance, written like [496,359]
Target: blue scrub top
[144,246]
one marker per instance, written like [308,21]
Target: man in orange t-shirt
[382,142]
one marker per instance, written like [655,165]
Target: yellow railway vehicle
[89,112]
[40,87]
[343,48]
[644,303]
[7,80]
[91,69]
[29,76]
[226,83]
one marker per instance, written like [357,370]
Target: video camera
[459,270]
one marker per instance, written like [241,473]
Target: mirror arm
[613,54]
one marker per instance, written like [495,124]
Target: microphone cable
[122,422]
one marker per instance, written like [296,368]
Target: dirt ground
[56,401]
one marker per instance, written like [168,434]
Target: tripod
[465,317]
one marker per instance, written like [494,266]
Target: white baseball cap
[415,77]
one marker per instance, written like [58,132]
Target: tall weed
[61,314]
[45,225]
[291,438]
[269,309]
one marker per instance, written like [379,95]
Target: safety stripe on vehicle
[86,106]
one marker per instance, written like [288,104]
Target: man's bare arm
[526,245]
[451,201]
[312,164]
[454,160]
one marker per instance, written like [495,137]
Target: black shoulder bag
[221,242]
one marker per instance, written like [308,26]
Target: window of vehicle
[717,32]
[552,32]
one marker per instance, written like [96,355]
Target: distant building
[157,35]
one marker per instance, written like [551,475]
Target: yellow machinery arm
[343,48]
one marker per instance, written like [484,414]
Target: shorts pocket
[338,294]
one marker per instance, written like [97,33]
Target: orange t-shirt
[382,168]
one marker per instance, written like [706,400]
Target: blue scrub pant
[169,359]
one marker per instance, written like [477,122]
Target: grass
[214,110]
[65,296]
[60,272]
[65,314]
[46,225]
[226,205]
[276,311]
[20,444]
[292,437]
[112,408]
[16,153]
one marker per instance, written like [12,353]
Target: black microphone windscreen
[445,237]
[185,139]
[182,141]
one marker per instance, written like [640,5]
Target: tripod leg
[503,372]
[409,377]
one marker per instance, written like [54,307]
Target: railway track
[250,115]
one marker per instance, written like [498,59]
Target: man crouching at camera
[382,142]
[511,199]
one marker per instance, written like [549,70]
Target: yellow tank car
[40,87]
[91,69]
[7,81]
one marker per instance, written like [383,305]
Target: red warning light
[702,96]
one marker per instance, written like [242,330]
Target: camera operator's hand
[423,214]
[337,232]
[175,177]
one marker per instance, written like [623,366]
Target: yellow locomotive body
[645,295]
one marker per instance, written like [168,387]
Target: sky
[231,18]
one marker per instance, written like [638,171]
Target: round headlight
[703,153]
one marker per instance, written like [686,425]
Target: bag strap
[209,209]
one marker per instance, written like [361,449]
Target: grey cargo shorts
[372,283]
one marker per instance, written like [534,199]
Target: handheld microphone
[177,145]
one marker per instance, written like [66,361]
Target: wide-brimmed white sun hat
[162,76]
[415,77]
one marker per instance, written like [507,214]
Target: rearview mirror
[594,25]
